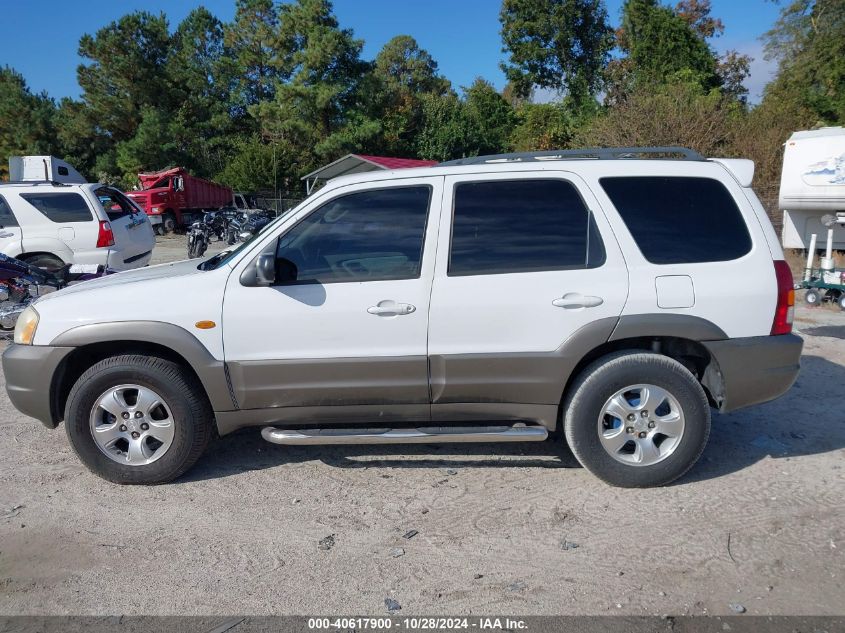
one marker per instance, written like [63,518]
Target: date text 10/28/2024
[417,624]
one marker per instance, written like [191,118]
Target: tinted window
[60,207]
[7,218]
[677,220]
[365,236]
[521,226]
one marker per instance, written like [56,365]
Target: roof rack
[55,183]
[593,153]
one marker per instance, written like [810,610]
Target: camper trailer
[812,186]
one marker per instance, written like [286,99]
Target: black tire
[197,247]
[193,418]
[605,377]
[841,301]
[168,222]
[158,229]
[45,261]
[812,297]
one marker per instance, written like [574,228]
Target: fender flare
[211,372]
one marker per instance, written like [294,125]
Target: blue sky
[39,38]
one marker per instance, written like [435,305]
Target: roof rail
[592,153]
[55,183]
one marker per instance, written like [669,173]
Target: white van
[49,216]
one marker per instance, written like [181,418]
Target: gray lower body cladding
[752,370]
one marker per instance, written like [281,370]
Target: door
[10,231]
[64,216]
[528,272]
[342,332]
[133,235]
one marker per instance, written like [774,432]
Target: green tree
[255,166]
[202,123]
[318,112]
[490,120]
[251,40]
[26,119]
[663,47]
[542,126]
[562,45]
[444,133]
[402,74]
[125,71]
[83,143]
[153,146]
[808,42]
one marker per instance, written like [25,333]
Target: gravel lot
[501,529]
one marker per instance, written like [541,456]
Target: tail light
[785,309]
[105,237]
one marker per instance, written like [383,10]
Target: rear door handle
[390,308]
[575,300]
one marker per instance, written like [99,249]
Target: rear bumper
[120,261]
[752,370]
[30,372]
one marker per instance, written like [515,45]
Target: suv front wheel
[637,419]
[136,419]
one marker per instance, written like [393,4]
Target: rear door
[133,236]
[526,262]
[11,235]
[64,215]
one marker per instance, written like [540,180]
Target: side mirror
[265,269]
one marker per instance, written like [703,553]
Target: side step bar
[427,435]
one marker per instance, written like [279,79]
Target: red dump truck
[173,198]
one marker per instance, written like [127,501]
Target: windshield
[164,183]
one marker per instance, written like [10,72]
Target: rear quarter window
[680,220]
[60,207]
[7,218]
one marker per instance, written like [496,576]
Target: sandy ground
[501,529]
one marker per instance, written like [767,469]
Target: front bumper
[31,371]
[752,370]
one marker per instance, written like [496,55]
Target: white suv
[594,296]
[51,224]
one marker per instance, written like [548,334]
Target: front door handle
[575,300]
[389,307]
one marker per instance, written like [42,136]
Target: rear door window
[516,226]
[60,207]
[680,220]
[7,218]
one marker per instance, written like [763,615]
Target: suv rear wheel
[45,261]
[637,419]
[138,419]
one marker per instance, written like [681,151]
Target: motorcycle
[214,226]
[245,225]
[22,283]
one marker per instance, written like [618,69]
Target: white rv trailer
[812,185]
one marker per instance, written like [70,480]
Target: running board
[426,435]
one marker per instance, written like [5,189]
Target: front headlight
[25,327]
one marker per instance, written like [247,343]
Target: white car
[592,295]
[49,223]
